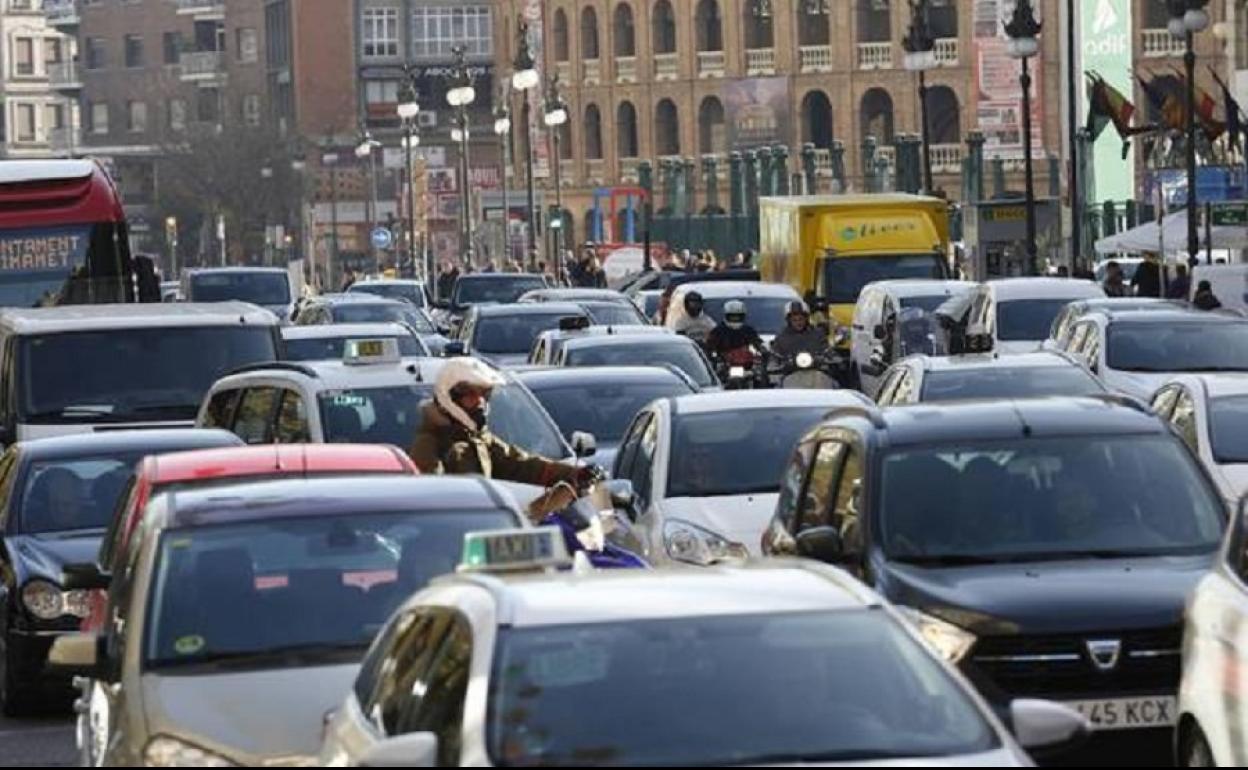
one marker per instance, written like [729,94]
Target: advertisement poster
[541,148]
[1106,49]
[757,112]
[999,96]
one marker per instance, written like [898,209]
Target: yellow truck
[829,246]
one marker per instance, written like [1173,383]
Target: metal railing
[1159,42]
[628,169]
[947,52]
[711,64]
[666,66]
[815,58]
[564,70]
[592,69]
[65,74]
[946,158]
[200,64]
[626,69]
[875,56]
[887,153]
[760,61]
[823,161]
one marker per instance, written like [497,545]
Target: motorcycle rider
[733,340]
[695,324]
[798,336]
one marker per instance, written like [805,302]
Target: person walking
[1205,299]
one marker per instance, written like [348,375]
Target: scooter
[587,523]
[805,371]
[741,369]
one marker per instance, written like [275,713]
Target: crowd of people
[1150,280]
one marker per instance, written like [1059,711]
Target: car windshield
[1185,347]
[821,687]
[408,292]
[735,451]
[501,289]
[1228,429]
[765,314]
[645,352]
[256,288]
[926,304]
[1047,498]
[64,495]
[381,312]
[392,415]
[212,582]
[1028,319]
[512,333]
[615,314]
[331,348]
[122,375]
[844,277]
[1006,382]
[603,408]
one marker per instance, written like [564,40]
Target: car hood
[1016,347]
[249,716]
[1050,597]
[1002,757]
[45,555]
[740,518]
[1139,384]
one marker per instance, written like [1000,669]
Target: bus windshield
[62,265]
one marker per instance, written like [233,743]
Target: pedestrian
[1063,271]
[673,264]
[1205,299]
[1114,285]
[1181,285]
[489,267]
[348,278]
[1147,280]
[446,279]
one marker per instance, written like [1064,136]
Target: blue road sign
[382,238]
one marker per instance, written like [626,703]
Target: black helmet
[694,303]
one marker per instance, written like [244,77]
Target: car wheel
[10,706]
[1195,751]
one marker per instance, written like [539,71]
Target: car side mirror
[78,655]
[821,544]
[623,497]
[584,444]
[84,577]
[410,750]
[454,348]
[1042,726]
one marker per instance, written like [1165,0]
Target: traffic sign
[382,238]
[1230,214]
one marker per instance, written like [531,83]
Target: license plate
[1128,713]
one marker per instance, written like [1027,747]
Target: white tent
[1170,237]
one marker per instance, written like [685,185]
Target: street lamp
[460,96]
[408,109]
[920,49]
[365,149]
[1187,17]
[330,159]
[556,115]
[502,129]
[524,78]
[1023,29]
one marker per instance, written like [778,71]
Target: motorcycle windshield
[920,333]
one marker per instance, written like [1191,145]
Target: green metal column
[975,152]
[1055,177]
[1109,218]
[780,167]
[751,182]
[710,169]
[808,168]
[998,178]
[645,180]
[868,163]
[689,167]
[764,172]
[838,166]
[736,198]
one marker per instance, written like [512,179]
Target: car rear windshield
[256,288]
[331,348]
[1047,498]
[408,292]
[1028,319]
[365,313]
[64,495]
[601,408]
[844,277]
[1005,382]
[615,314]
[512,333]
[501,289]
[392,415]
[212,583]
[125,375]
[1185,347]
[646,352]
[735,451]
[1228,429]
[821,687]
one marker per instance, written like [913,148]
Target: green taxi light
[507,550]
[371,351]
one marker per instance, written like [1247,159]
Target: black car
[1046,546]
[491,288]
[57,497]
[504,334]
[640,350]
[361,307]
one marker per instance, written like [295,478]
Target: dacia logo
[1104,653]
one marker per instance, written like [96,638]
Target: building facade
[37,119]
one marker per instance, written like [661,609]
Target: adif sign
[1105,28]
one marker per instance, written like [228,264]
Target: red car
[181,470]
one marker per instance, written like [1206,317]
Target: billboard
[1105,35]
[537,128]
[756,112]
[998,94]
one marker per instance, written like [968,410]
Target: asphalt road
[45,741]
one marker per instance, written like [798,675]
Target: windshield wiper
[303,652]
[950,560]
[75,411]
[838,755]
[149,408]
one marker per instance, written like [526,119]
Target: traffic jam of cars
[848,512]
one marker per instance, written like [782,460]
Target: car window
[1091,350]
[435,704]
[791,485]
[8,473]
[846,514]
[1163,402]
[904,392]
[399,665]
[1077,338]
[1184,420]
[220,411]
[885,396]
[254,421]
[292,420]
[1061,324]
[61,495]
[628,447]
[642,471]
[821,487]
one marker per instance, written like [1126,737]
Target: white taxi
[513,662]
[1210,414]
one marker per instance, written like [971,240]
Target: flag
[1107,105]
[1166,96]
[1205,106]
[1234,113]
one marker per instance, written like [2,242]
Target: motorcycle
[741,369]
[588,523]
[806,371]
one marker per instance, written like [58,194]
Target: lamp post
[330,159]
[408,109]
[502,129]
[364,150]
[1187,17]
[1022,29]
[266,173]
[460,96]
[524,78]
[920,50]
[556,115]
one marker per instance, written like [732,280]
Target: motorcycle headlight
[692,544]
[949,641]
[164,751]
[805,360]
[44,600]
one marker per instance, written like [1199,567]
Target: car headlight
[46,601]
[949,641]
[692,544]
[805,360]
[164,751]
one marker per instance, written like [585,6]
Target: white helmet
[734,313]
[468,371]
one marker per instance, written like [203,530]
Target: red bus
[63,237]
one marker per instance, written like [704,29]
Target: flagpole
[1072,123]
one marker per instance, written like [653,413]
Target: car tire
[1194,749]
[10,706]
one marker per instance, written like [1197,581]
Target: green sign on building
[1105,29]
[1230,214]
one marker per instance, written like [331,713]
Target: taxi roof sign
[383,350]
[511,550]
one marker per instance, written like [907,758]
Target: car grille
[1060,665]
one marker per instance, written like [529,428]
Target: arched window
[626,131]
[559,30]
[944,120]
[817,120]
[663,24]
[625,39]
[710,26]
[873,22]
[666,128]
[593,133]
[756,20]
[589,33]
[712,133]
[877,115]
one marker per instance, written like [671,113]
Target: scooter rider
[733,339]
[798,336]
[695,324]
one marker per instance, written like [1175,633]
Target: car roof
[1167,316]
[333,375]
[157,315]
[278,460]
[573,295]
[950,422]
[758,587]
[359,298]
[150,441]
[733,400]
[1092,304]
[388,281]
[1036,360]
[552,377]
[1044,288]
[909,287]
[241,270]
[521,277]
[338,496]
[336,331]
[530,308]
[608,330]
[624,338]
[737,289]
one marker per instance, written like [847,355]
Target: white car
[765,303]
[775,663]
[1210,413]
[327,342]
[548,344]
[1136,351]
[1064,324]
[983,376]
[705,469]
[1015,315]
